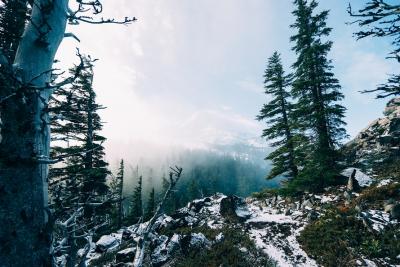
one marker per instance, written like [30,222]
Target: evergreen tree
[117,186]
[137,203]
[318,111]
[75,127]
[277,112]
[151,205]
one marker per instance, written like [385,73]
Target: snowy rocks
[379,141]
[195,241]
[126,255]
[359,177]
[165,250]
[106,242]
[197,205]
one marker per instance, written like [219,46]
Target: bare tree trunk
[24,230]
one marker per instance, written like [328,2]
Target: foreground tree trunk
[24,229]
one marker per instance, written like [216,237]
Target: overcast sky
[190,72]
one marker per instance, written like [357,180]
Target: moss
[227,253]
[339,238]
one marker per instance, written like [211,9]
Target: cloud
[190,72]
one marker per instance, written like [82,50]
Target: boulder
[234,209]
[106,242]
[199,241]
[126,255]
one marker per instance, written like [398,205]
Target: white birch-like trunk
[24,232]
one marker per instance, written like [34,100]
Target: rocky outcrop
[378,142]
[272,223]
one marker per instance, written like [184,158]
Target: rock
[198,241]
[307,204]
[352,184]
[234,209]
[388,207]
[395,212]
[126,255]
[106,242]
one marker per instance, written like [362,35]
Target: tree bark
[24,229]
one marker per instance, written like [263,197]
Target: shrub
[339,238]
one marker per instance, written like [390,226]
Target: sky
[190,73]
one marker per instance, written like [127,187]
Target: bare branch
[175,175]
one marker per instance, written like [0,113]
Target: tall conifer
[318,94]
[277,113]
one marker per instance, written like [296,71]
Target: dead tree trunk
[24,231]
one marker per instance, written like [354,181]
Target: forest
[66,200]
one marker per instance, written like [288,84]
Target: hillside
[357,224]
[336,228]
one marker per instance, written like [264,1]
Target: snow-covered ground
[276,235]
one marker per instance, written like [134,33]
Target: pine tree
[117,186]
[277,112]
[76,126]
[151,205]
[137,203]
[318,111]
